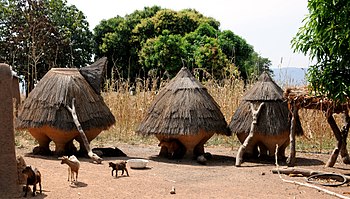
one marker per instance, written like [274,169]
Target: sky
[267,25]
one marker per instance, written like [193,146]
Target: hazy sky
[268,25]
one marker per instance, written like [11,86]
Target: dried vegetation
[129,111]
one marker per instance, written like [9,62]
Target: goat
[73,166]
[119,166]
[33,178]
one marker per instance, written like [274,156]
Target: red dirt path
[218,179]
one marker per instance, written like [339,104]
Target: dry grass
[130,109]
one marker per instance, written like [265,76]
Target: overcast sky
[268,25]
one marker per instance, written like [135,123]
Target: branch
[304,184]
[86,144]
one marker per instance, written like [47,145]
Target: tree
[163,53]
[254,66]
[76,39]
[164,40]
[114,38]
[37,35]
[202,51]
[325,37]
[239,52]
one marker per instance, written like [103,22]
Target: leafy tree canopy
[36,35]
[325,37]
[164,40]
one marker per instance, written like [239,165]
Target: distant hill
[289,76]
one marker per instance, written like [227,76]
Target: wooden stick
[344,132]
[330,119]
[291,158]
[277,170]
[86,144]
[242,148]
[303,172]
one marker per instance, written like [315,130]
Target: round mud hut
[267,125]
[183,117]
[46,116]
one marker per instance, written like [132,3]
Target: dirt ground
[218,179]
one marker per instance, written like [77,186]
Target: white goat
[74,166]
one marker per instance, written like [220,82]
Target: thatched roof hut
[274,117]
[45,107]
[273,123]
[183,107]
[184,110]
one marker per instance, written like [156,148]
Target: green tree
[325,37]
[256,65]
[238,51]
[38,35]
[76,39]
[163,53]
[114,38]
[164,40]
[202,51]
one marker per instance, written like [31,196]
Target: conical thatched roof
[94,73]
[46,103]
[183,107]
[264,90]
[274,115]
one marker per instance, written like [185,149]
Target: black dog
[118,166]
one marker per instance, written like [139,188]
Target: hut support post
[242,148]
[338,136]
[345,130]
[92,155]
[291,158]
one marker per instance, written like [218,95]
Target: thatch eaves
[183,107]
[265,89]
[46,103]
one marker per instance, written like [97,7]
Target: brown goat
[33,178]
[73,166]
[119,166]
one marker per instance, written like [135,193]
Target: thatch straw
[264,90]
[274,116]
[94,73]
[46,103]
[183,107]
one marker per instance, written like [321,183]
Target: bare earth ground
[218,179]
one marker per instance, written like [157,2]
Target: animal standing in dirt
[119,166]
[73,166]
[33,178]
[173,149]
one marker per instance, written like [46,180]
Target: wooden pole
[86,144]
[330,119]
[344,132]
[242,148]
[291,158]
